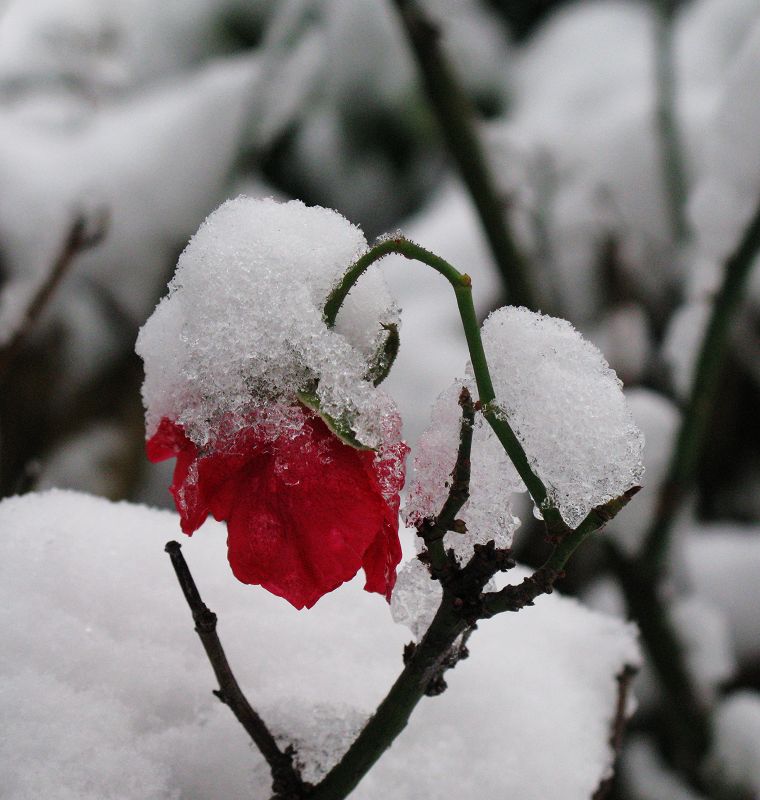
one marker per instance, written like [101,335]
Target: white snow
[722,563]
[658,419]
[567,408]
[107,693]
[646,777]
[487,513]
[705,636]
[736,748]
[433,346]
[242,328]
[416,597]
[155,172]
[728,188]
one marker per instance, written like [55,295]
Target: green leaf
[385,355]
[340,426]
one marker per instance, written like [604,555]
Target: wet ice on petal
[242,326]
[487,513]
[567,408]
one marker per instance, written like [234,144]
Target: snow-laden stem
[462,285]
[666,116]
[454,114]
[705,384]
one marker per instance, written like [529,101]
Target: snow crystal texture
[487,513]
[566,407]
[416,597]
[242,326]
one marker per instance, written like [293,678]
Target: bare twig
[82,235]
[625,679]
[432,531]
[287,783]
[686,714]
[455,117]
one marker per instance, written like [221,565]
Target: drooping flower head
[233,356]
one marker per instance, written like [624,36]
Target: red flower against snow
[304,511]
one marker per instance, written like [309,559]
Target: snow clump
[493,479]
[241,329]
[567,408]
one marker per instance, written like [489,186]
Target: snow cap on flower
[228,355]
[567,408]
[242,324]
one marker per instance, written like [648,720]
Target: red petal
[304,512]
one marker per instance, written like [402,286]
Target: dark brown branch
[625,679]
[454,113]
[82,235]
[432,531]
[287,783]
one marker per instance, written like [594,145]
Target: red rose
[304,511]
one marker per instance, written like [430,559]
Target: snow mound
[107,692]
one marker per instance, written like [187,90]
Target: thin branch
[624,680]
[456,120]
[666,116]
[82,235]
[686,713]
[432,531]
[514,598]
[286,781]
[706,381]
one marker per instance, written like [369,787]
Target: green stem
[454,114]
[393,713]
[668,129]
[462,285]
[513,598]
[696,419]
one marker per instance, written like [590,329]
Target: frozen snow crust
[567,408]
[106,692]
[242,329]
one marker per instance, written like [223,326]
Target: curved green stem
[462,285]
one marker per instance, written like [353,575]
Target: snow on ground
[107,694]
